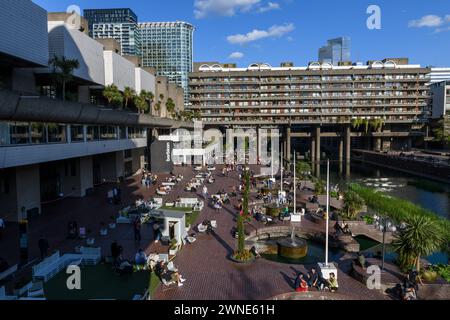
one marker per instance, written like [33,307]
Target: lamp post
[384,224]
[327,213]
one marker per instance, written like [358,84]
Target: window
[108,133]
[77,133]
[37,131]
[19,132]
[56,133]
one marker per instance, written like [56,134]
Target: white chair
[214,224]
[202,228]
[171,267]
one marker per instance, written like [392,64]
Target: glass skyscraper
[337,50]
[168,47]
[120,24]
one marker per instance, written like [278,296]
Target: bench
[9,272]
[52,265]
[190,203]
[168,184]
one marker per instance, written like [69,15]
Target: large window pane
[37,133]
[92,133]
[19,132]
[77,133]
[108,133]
[56,133]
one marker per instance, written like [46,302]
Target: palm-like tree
[353,204]
[170,106]
[422,236]
[141,102]
[63,69]
[128,95]
[113,95]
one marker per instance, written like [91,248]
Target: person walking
[205,192]
[137,229]
[43,247]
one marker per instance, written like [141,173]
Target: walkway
[211,275]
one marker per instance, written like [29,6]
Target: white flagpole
[295,186]
[281,169]
[327,213]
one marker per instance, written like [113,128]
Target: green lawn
[100,282]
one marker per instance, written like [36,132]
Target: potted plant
[173,247]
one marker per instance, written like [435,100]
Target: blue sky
[293,30]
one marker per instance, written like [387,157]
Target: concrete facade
[24,31]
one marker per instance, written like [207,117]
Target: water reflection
[434,196]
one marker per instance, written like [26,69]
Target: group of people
[148,179]
[114,195]
[409,288]
[162,271]
[314,280]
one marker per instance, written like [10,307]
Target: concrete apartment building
[382,105]
[51,148]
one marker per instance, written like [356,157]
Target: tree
[128,95]
[303,169]
[319,187]
[63,69]
[353,204]
[422,236]
[241,253]
[113,95]
[141,102]
[149,96]
[170,106]
[440,135]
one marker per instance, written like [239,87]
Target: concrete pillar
[76,176]
[378,144]
[341,149]
[138,159]
[313,150]
[28,190]
[289,148]
[317,137]
[348,144]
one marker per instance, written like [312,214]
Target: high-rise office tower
[337,50]
[168,47]
[120,24]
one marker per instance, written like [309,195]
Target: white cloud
[273,32]
[236,55]
[427,21]
[204,8]
[270,6]
[447,18]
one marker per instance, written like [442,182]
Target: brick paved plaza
[205,263]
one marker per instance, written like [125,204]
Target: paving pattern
[205,264]
[211,275]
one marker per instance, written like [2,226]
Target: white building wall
[119,71]
[33,154]
[24,31]
[145,81]
[73,44]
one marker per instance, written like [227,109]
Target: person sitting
[332,283]
[140,258]
[314,279]
[115,250]
[123,266]
[361,260]
[73,230]
[284,214]
[255,252]
[300,283]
